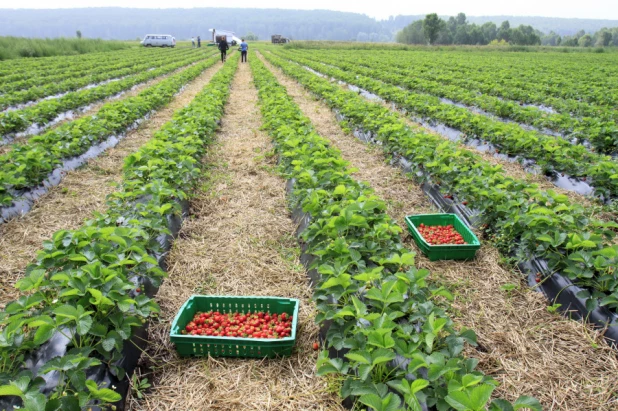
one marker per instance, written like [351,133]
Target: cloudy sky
[600,9]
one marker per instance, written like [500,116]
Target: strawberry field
[132,181]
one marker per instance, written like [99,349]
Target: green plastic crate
[193,345]
[444,252]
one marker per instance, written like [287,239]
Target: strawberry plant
[85,286]
[524,220]
[395,346]
[74,83]
[29,164]
[597,126]
[94,71]
[509,138]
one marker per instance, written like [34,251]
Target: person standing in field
[199,42]
[193,42]
[223,47]
[244,47]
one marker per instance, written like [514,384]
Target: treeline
[457,30]
[602,38]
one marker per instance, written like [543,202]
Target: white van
[158,40]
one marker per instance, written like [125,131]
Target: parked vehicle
[159,40]
[279,39]
[229,36]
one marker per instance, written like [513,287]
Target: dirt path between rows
[80,193]
[239,241]
[528,350]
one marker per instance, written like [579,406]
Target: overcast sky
[593,9]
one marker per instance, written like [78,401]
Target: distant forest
[128,24]
[459,30]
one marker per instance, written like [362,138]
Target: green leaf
[588,244]
[470,380]
[104,394]
[96,294]
[118,240]
[361,308]
[481,394]
[107,395]
[99,330]
[67,292]
[67,311]
[342,280]
[372,400]
[68,403]
[35,401]
[609,252]
[527,402]
[460,401]
[40,320]
[500,405]
[429,339]
[363,371]
[393,403]
[10,390]
[84,324]
[362,357]
[108,343]
[382,355]
[418,385]
[330,366]
[381,338]
[43,333]
[78,379]
[339,190]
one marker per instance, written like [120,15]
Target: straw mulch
[530,351]
[238,241]
[80,193]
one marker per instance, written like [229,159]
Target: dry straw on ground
[563,363]
[238,241]
[80,193]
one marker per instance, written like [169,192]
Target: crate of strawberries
[443,236]
[225,326]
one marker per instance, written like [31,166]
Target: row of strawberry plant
[46,111]
[553,154]
[29,164]
[11,70]
[378,305]
[589,78]
[14,99]
[523,220]
[91,285]
[94,68]
[503,86]
[601,131]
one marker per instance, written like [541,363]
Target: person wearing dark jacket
[223,47]
[199,41]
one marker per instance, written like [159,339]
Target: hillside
[121,23]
